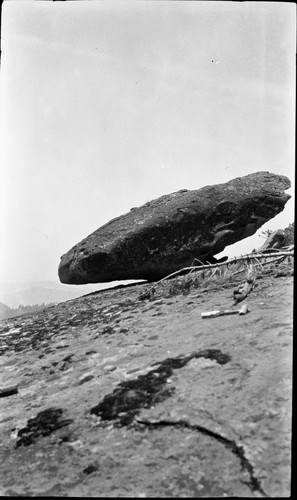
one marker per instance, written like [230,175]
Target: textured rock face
[124,398]
[166,234]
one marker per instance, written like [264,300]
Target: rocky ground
[125,397]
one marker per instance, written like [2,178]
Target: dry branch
[248,258]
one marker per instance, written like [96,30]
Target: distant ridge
[38,292]
[12,295]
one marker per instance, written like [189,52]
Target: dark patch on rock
[91,468]
[44,424]
[65,439]
[126,401]
[67,358]
[108,330]
[87,378]
[8,391]
[165,235]
[88,353]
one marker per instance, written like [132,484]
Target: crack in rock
[129,397]
[254,483]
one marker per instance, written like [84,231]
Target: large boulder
[166,234]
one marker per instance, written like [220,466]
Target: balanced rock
[168,233]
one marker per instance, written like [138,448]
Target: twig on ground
[225,312]
[238,272]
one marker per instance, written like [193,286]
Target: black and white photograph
[147,248]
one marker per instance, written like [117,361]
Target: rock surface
[119,397]
[166,234]
[279,239]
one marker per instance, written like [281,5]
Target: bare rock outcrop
[166,234]
[110,396]
[279,239]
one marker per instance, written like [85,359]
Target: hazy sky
[106,105]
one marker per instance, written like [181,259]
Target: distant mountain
[37,295]
[13,295]
[39,292]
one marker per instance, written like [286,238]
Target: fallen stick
[248,257]
[8,391]
[225,312]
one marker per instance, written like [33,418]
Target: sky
[106,105]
